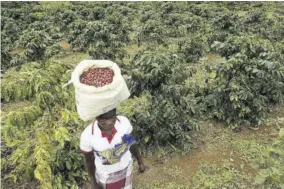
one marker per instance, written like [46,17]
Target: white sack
[92,101]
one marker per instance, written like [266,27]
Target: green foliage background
[172,87]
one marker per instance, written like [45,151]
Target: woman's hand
[142,167]
[96,186]
[135,152]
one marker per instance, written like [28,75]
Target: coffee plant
[163,75]
[37,44]
[150,31]
[39,136]
[245,84]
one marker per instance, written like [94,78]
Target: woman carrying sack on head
[107,146]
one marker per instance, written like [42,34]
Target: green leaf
[37,174]
[255,70]
[146,139]
[192,109]
[259,179]
[212,75]
[68,165]
[65,116]
[276,171]
[59,185]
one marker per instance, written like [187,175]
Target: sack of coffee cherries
[99,87]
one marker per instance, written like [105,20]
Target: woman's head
[107,120]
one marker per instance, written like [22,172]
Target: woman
[107,146]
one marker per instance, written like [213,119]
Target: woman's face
[107,122]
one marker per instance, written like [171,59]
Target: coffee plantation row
[172,86]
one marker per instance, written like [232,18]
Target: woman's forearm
[135,152]
[91,169]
